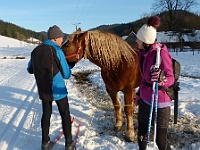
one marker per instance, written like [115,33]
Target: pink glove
[155,74]
[136,100]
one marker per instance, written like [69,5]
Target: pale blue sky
[40,15]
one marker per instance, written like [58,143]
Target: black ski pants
[63,107]
[163,116]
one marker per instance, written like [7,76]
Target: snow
[10,42]
[169,36]
[20,107]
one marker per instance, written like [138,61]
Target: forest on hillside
[17,32]
[184,21]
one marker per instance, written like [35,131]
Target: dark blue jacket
[50,68]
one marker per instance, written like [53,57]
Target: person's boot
[142,143]
[46,145]
[69,146]
[168,147]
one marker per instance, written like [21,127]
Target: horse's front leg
[129,94]
[117,106]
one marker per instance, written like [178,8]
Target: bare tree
[174,17]
[171,7]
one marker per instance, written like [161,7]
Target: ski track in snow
[23,103]
[8,77]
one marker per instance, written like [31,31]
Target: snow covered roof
[165,37]
[169,36]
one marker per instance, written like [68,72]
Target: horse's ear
[81,35]
[79,29]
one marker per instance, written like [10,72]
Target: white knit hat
[147,33]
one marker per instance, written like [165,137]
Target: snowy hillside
[10,42]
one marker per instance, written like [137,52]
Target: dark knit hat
[54,32]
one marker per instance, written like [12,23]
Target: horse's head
[73,47]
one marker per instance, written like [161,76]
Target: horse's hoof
[118,128]
[130,137]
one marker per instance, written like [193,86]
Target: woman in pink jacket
[146,37]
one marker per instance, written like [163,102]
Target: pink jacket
[147,58]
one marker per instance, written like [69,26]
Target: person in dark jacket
[50,68]
[146,37]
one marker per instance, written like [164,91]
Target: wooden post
[176,104]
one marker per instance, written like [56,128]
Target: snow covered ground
[20,109]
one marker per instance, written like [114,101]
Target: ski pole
[156,113]
[150,115]
[77,133]
[60,135]
[154,97]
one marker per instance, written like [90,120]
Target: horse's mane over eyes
[108,48]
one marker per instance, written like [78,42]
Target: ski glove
[30,67]
[155,75]
[71,64]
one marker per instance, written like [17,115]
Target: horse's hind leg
[128,108]
[117,106]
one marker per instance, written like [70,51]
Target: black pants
[163,116]
[63,107]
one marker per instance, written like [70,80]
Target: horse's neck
[96,62]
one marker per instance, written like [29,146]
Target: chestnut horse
[119,68]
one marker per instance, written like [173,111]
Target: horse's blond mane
[108,48]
